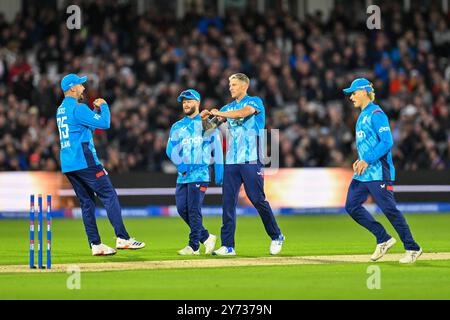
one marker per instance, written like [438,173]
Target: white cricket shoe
[410,256]
[276,245]
[224,251]
[210,244]
[188,251]
[102,250]
[382,248]
[131,244]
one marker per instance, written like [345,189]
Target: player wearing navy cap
[79,162]
[375,173]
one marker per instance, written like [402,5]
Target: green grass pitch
[306,235]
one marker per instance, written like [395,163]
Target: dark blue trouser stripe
[88,155]
[385,168]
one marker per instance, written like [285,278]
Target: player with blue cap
[360,84]
[189,94]
[192,149]
[71,80]
[375,173]
[79,162]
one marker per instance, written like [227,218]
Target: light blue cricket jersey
[191,149]
[373,143]
[76,123]
[245,142]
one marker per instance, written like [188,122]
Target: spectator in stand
[141,62]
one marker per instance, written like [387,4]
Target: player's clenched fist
[97,103]
[204,115]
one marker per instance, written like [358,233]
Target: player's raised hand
[205,114]
[214,111]
[98,102]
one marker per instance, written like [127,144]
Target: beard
[81,97]
[190,111]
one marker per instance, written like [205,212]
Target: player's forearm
[169,150]
[105,116]
[381,149]
[173,153]
[93,119]
[234,114]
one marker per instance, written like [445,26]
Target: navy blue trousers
[189,199]
[383,194]
[251,175]
[95,181]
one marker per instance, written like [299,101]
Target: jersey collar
[196,118]
[70,99]
[243,99]
[369,107]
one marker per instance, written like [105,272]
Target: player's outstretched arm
[235,114]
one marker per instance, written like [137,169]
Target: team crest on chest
[364,120]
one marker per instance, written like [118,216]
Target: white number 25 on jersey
[63,128]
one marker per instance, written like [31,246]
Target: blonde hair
[240,76]
[371,94]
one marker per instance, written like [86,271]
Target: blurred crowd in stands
[140,63]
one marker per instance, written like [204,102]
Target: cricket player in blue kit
[79,162]
[190,148]
[375,173]
[246,121]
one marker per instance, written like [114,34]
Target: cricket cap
[71,80]
[359,84]
[189,94]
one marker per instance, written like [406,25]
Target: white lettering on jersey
[65,144]
[188,141]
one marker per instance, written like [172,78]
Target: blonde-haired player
[375,173]
[246,121]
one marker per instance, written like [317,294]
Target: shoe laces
[413,253]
